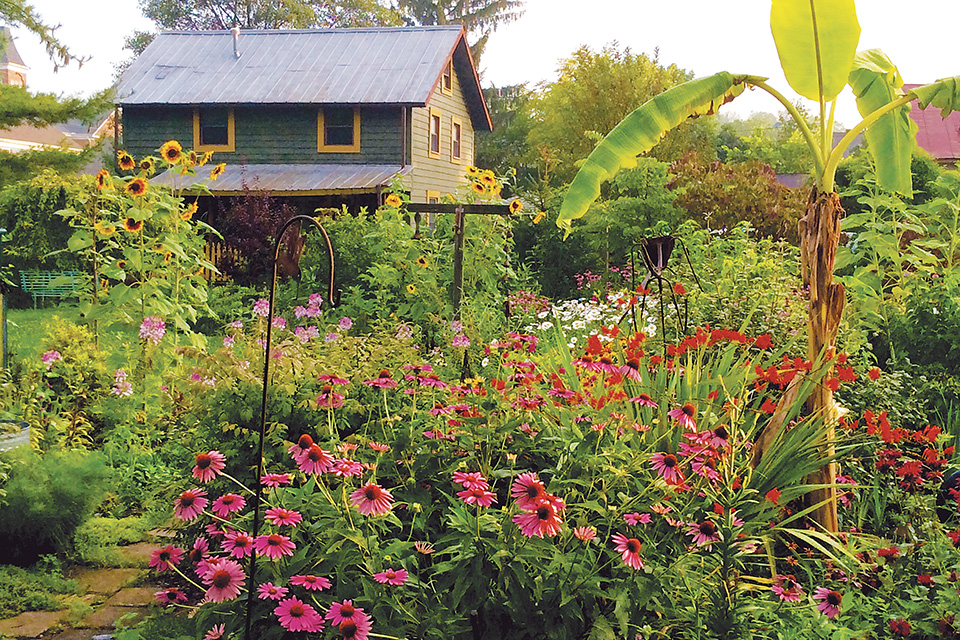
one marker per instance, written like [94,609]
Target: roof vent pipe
[236,37]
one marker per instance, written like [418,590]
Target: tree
[817,44]
[594,92]
[18,13]
[479,17]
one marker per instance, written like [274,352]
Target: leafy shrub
[249,224]
[47,498]
[35,589]
[95,540]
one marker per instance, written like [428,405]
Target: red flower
[763,341]
[679,290]
[900,627]
[773,495]
[873,373]
[768,406]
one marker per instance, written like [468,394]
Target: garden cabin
[325,117]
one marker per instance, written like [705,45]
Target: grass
[39,588]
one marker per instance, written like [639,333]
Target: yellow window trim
[431,218]
[434,113]
[339,148]
[454,123]
[447,73]
[231,137]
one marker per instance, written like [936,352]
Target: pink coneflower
[703,533]
[357,628]
[829,601]
[586,534]
[382,381]
[295,615]
[346,468]
[170,596]
[270,591]
[667,465]
[190,504]
[371,500]
[199,551]
[238,544]
[315,461]
[340,612]
[224,580]
[329,399]
[278,517]
[215,633]
[379,448]
[634,519]
[208,466]
[644,400]
[300,448]
[543,521]
[228,503]
[662,509]
[275,479]
[470,480]
[787,588]
[629,550]
[480,497]
[423,547]
[528,491]
[166,557]
[390,576]
[685,416]
[706,467]
[274,546]
[631,370]
[311,583]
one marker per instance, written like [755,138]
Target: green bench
[49,284]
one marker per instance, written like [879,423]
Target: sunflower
[516,206]
[121,264]
[148,165]
[411,289]
[188,212]
[205,158]
[473,171]
[132,225]
[171,151]
[104,228]
[393,200]
[218,170]
[125,161]
[193,158]
[488,178]
[167,256]
[540,216]
[423,262]
[103,179]
[137,187]
[479,188]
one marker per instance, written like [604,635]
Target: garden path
[112,593]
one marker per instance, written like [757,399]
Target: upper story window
[338,130]
[213,129]
[456,139]
[434,141]
[446,79]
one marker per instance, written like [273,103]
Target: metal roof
[938,136]
[378,65]
[293,179]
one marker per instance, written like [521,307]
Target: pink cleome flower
[153,329]
[278,516]
[228,503]
[166,558]
[274,546]
[372,500]
[311,583]
[224,580]
[269,591]
[629,550]
[390,576]
[295,615]
[209,465]
[190,504]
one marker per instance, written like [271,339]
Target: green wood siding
[440,174]
[267,134]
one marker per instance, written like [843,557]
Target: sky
[700,36]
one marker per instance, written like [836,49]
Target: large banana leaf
[876,82]
[640,131]
[816,41]
[944,94]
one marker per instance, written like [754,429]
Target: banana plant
[817,42]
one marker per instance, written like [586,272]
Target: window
[446,78]
[213,129]
[338,130]
[433,197]
[456,138]
[434,142]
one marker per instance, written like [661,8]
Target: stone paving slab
[132,597]
[32,623]
[105,617]
[80,634]
[106,580]
[138,553]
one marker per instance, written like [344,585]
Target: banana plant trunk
[819,237]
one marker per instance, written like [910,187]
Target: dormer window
[213,129]
[446,79]
[338,130]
